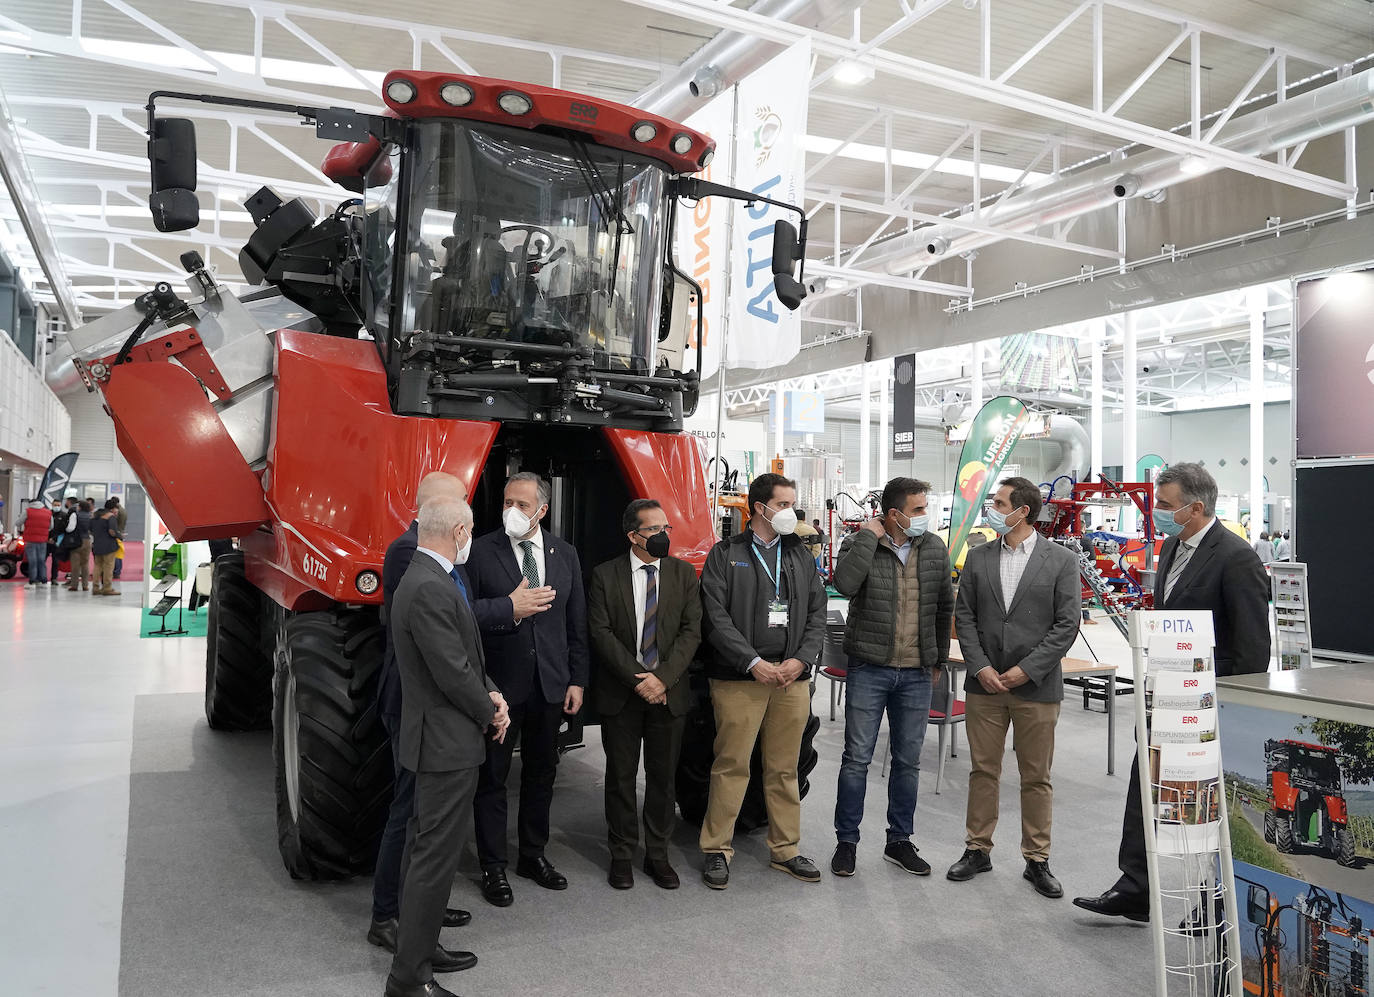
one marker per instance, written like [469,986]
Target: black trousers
[386,881]
[1130,858]
[537,723]
[434,843]
[654,729]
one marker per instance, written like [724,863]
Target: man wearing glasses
[644,623]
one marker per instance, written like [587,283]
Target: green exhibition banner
[991,437]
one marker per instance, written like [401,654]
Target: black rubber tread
[344,758]
[1283,834]
[1269,826]
[8,568]
[1345,847]
[698,751]
[238,672]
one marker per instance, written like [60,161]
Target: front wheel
[1269,826]
[238,668]
[1283,834]
[1345,847]
[330,752]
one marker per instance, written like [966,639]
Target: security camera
[1145,369]
[938,246]
[1126,185]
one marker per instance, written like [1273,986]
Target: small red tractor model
[1307,809]
[499,295]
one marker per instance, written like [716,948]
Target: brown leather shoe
[661,873]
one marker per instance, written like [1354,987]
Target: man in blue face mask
[901,605]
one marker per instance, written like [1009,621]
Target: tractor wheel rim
[291,755]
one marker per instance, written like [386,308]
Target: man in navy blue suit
[386,884]
[539,661]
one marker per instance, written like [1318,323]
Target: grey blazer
[1034,627]
[445,702]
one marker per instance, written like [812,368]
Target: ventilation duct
[1319,112]
[1074,446]
[730,56]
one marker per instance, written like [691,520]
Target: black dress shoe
[430,989]
[456,918]
[970,864]
[496,888]
[1114,903]
[542,872]
[664,875]
[622,874]
[1042,879]
[449,961]
[383,934]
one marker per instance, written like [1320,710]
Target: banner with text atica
[991,438]
[703,232]
[770,159]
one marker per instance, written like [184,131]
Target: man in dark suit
[448,703]
[644,620]
[1017,615]
[386,882]
[540,665]
[1202,566]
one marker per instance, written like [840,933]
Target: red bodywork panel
[668,467]
[605,121]
[343,469]
[173,439]
[347,164]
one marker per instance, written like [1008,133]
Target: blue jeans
[37,556]
[904,693]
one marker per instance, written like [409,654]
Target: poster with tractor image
[1301,795]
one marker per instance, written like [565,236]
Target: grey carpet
[209,909]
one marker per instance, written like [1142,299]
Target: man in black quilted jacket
[901,604]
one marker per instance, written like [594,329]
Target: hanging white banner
[770,159]
[703,232]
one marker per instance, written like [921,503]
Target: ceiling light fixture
[1193,165]
[854,72]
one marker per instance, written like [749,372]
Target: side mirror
[172,156]
[788,250]
[1257,905]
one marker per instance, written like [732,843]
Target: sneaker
[799,867]
[715,872]
[903,853]
[970,864]
[842,862]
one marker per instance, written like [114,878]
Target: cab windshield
[517,237]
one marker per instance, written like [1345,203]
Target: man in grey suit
[1017,614]
[447,705]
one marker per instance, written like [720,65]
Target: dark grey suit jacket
[1034,631]
[1226,576]
[446,705]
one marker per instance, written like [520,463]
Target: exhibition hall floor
[140,860]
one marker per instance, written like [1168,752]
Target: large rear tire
[1283,834]
[1345,847]
[1269,826]
[238,668]
[330,753]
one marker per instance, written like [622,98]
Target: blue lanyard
[774,576]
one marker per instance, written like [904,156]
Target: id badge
[777,613]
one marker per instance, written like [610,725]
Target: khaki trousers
[104,572]
[987,719]
[776,718]
[81,565]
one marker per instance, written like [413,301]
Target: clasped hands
[781,674]
[993,683]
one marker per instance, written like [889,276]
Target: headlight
[368,582]
[644,131]
[682,143]
[456,94]
[400,91]
[706,158]
[515,103]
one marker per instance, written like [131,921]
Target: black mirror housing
[788,250]
[172,158]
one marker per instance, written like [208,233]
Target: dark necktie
[457,577]
[527,566]
[648,642]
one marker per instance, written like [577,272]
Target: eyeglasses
[651,530]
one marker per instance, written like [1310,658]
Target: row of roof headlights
[514,103]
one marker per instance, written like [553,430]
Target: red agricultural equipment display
[1307,811]
[1317,945]
[500,295]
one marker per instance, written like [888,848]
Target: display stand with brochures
[1183,797]
[1292,621]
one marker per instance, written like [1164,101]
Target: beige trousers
[747,712]
[987,719]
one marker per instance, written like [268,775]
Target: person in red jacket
[37,523]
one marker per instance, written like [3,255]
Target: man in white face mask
[896,575]
[540,663]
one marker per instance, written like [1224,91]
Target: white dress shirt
[1183,553]
[537,551]
[1012,564]
[639,582]
[903,551]
[444,562]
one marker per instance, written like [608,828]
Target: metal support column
[884,372]
[1129,456]
[1257,298]
[1097,343]
[865,429]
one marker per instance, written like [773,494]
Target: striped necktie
[1182,556]
[527,566]
[457,577]
[648,641]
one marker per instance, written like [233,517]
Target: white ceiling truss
[971,103]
